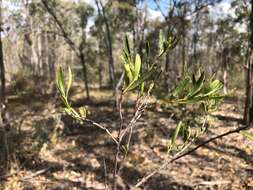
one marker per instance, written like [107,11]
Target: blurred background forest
[39,36]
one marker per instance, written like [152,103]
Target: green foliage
[166,41]
[247,135]
[200,90]
[64,92]
[133,77]
[202,93]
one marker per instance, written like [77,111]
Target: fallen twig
[178,156]
[35,174]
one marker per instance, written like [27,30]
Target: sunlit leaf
[137,66]
[60,81]
[248,135]
[175,134]
[69,81]
[128,73]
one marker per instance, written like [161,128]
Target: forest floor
[51,151]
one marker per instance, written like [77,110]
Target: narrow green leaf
[127,46]
[142,87]
[128,73]
[60,82]
[69,81]
[175,134]
[197,87]
[68,111]
[248,135]
[161,42]
[179,90]
[137,66]
[136,83]
[174,137]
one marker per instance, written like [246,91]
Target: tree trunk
[183,42]
[2,68]
[248,112]
[100,67]
[108,44]
[82,59]
[3,137]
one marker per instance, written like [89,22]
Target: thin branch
[160,9]
[178,156]
[103,128]
[35,174]
[115,173]
[138,113]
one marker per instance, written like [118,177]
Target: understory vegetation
[138,94]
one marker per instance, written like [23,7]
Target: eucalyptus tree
[3,137]
[75,37]
[2,67]
[248,112]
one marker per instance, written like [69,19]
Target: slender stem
[115,173]
[103,128]
[181,155]
[140,106]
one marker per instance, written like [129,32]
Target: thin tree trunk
[2,67]
[82,59]
[248,112]
[4,151]
[51,56]
[100,66]
[108,43]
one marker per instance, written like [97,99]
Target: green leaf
[161,42]
[197,87]
[247,135]
[128,73]
[60,82]
[136,83]
[186,132]
[179,90]
[213,87]
[142,87]
[176,132]
[68,111]
[137,66]
[69,81]
[127,46]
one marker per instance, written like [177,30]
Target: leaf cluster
[133,66]
[197,89]
[63,89]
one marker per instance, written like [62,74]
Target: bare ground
[51,151]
